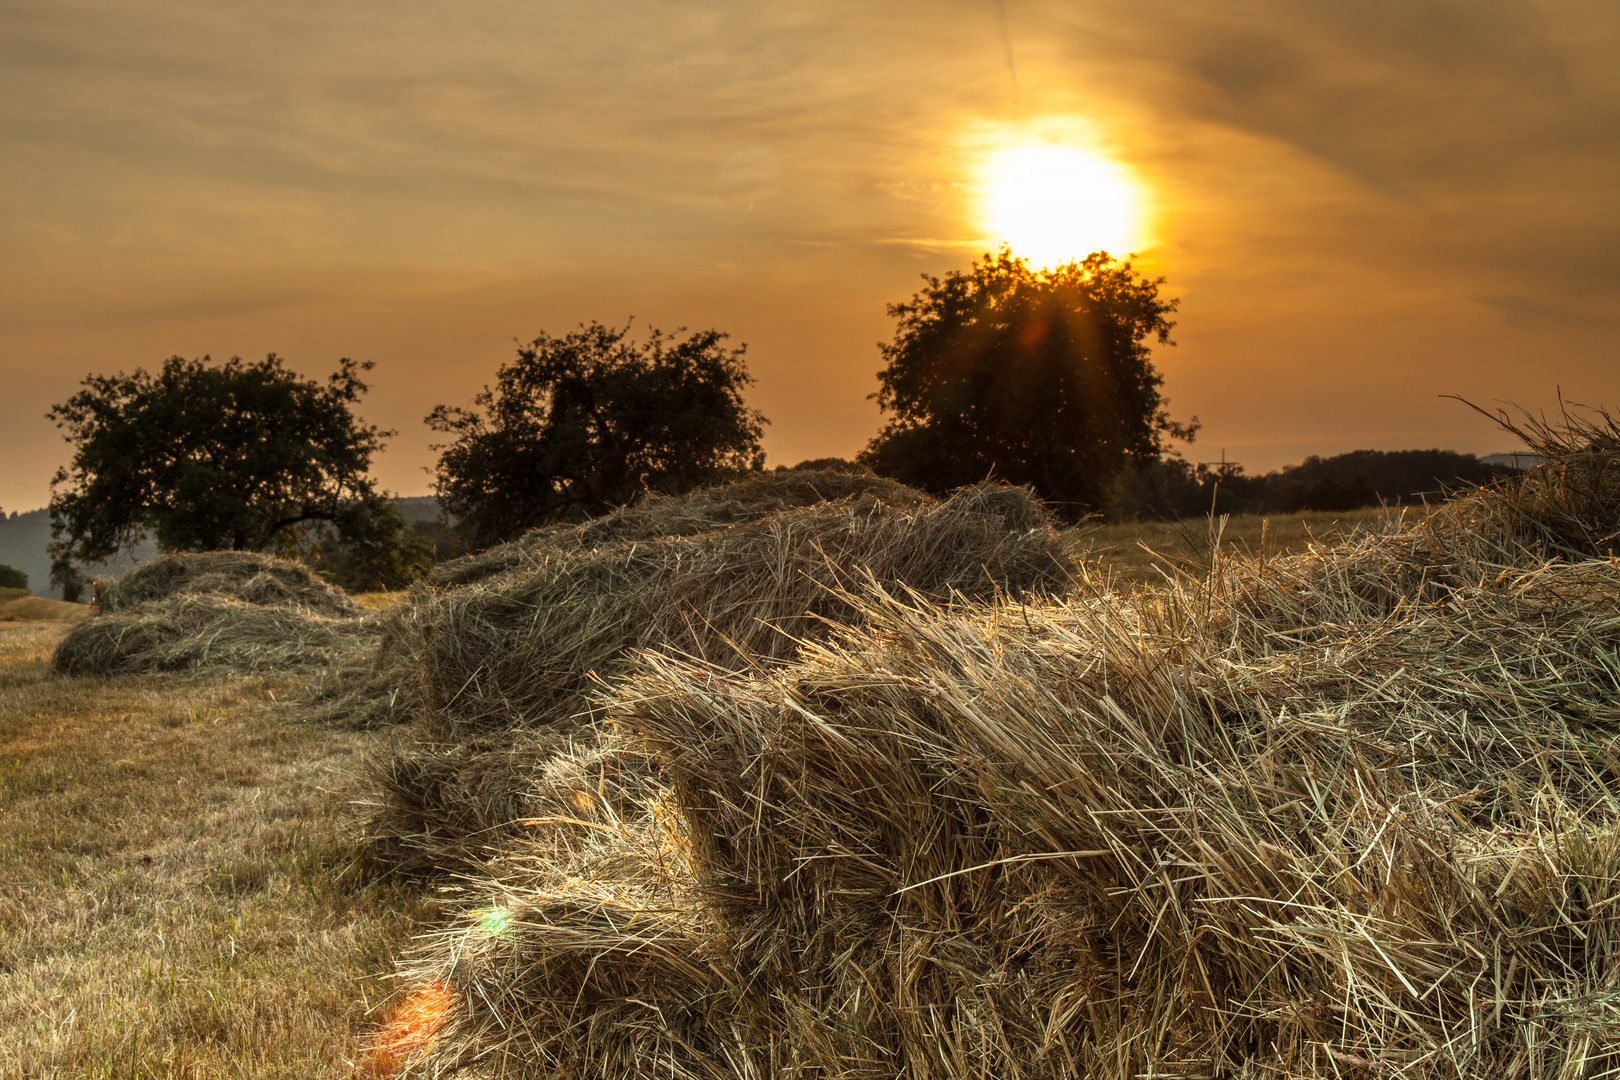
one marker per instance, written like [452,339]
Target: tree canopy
[1034,377]
[203,456]
[582,423]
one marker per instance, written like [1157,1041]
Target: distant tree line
[1173,488]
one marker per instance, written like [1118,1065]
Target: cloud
[1479,140]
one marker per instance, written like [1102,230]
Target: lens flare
[410,1028]
[495,922]
[1052,203]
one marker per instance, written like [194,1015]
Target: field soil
[179,896]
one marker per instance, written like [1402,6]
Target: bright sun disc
[1053,203]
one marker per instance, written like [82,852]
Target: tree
[1040,378]
[581,423]
[204,456]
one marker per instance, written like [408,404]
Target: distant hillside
[419,509]
[23,538]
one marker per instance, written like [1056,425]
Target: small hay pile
[497,676]
[1349,813]
[222,609]
[248,576]
[41,609]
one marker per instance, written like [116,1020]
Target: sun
[1052,203]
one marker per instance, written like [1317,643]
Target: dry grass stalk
[1569,506]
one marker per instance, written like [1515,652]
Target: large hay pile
[1351,813]
[223,609]
[496,675]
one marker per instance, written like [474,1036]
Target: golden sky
[1363,204]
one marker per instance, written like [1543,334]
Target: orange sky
[1363,204]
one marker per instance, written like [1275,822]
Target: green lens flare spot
[495,922]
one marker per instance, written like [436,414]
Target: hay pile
[750,499]
[224,609]
[396,684]
[1352,813]
[40,609]
[497,676]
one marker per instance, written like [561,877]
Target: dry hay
[495,673]
[1347,813]
[27,608]
[519,648]
[1568,507]
[238,610]
[750,499]
[248,576]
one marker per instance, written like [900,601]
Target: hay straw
[478,668]
[1349,813]
[241,611]
[655,515]
[249,576]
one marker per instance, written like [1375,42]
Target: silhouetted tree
[1034,377]
[12,578]
[579,424]
[204,456]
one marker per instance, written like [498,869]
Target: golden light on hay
[1053,202]
[411,1028]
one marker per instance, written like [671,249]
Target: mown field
[183,892]
[1145,552]
[179,896]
